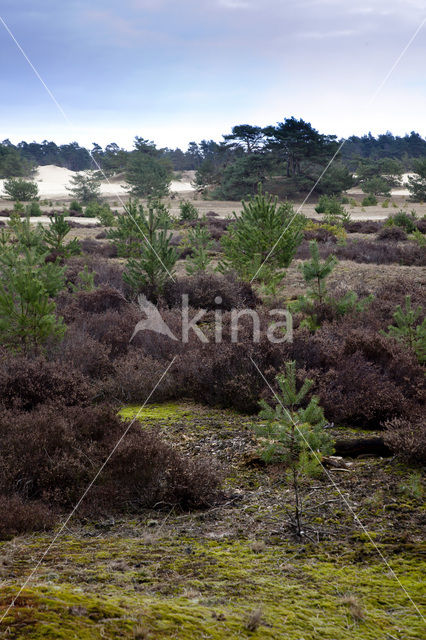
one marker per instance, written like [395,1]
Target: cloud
[116,23]
[203,65]
[325,35]
[235,4]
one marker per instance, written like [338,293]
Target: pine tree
[54,235]
[417,183]
[148,172]
[200,241]
[156,257]
[263,239]
[130,229]
[27,286]
[188,211]
[20,189]
[314,270]
[25,234]
[407,329]
[27,311]
[294,435]
[85,187]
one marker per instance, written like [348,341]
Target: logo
[276,332]
[153,321]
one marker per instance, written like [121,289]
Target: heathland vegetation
[263,475]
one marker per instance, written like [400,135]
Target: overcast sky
[181,70]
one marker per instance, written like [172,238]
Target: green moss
[200,575]
[190,588]
[165,411]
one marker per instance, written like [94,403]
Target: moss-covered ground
[236,570]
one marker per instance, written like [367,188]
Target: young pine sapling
[54,236]
[409,329]
[201,242]
[315,272]
[294,435]
[156,258]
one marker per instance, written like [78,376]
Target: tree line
[289,157]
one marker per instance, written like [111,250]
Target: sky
[174,71]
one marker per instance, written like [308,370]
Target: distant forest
[290,156]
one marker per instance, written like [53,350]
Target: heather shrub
[388,296]
[357,394]
[52,454]
[25,383]
[363,377]
[105,316]
[222,376]
[82,225]
[111,328]
[159,345]
[320,234]
[106,272]
[176,240]
[394,291]
[407,437]
[370,252]
[203,289]
[421,225]
[217,227]
[84,354]
[106,250]
[18,517]
[191,224]
[363,226]
[392,359]
[134,377]
[393,234]
[98,300]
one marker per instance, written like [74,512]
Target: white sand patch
[45,220]
[399,191]
[53,181]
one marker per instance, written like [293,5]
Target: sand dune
[53,182]
[399,191]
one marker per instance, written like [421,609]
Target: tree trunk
[362,446]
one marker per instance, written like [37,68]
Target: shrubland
[70,363]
